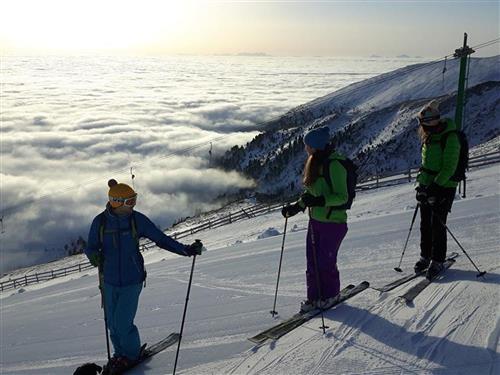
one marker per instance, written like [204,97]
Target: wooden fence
[244,213]
[43,276]
[395,178]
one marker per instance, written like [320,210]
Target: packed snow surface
[453,327]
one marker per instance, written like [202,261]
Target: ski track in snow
[425,321]
[40,366]
[453,327]
[340,338]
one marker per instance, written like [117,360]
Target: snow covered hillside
[452,328]
[373,122]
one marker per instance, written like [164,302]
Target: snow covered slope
[373,122]
[453,327]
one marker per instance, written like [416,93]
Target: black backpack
[463,158]
[352,180]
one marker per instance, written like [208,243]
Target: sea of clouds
[68,124]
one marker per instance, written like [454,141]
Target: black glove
[96,259]
[435,195]
[310,200]
[421,195]
[195,248]
[291,210]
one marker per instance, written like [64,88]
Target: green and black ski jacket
[439,163]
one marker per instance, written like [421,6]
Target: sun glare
[91,24]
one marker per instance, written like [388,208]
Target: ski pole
[315,259]
[103,306]
[273,311]
[398,268]
[184,315]
[480,273]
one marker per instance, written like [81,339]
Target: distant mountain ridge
[373,122]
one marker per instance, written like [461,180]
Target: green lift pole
[462,54]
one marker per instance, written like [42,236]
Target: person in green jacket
[436,188]
[328,219]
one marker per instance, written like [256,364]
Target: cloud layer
[70,123]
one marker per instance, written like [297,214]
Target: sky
[289,28]
[67,121]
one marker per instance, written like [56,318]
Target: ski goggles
[428,127]
[126,202]
[432,129]
[425,120]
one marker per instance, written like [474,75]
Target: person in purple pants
[326,197]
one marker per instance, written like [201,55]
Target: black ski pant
[433,244]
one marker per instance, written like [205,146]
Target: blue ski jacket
[123,262]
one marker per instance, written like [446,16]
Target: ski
[262,336]
[394,284]
[298,319]
[415,290]
[147,353]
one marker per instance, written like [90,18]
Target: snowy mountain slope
[373,122]
[452,328]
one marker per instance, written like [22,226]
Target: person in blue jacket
[113,246]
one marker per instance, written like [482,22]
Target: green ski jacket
[335,196]
[439,164]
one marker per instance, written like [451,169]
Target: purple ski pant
[327,240]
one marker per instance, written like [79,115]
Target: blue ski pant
[121,306]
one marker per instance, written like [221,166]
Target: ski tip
[256,341]
[405,301]
[365,283]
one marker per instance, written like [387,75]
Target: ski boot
[434,269]
[422,264]
[106,370]
[119,365]
[324,303]
[142,351]
[88,368]
[306,306]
